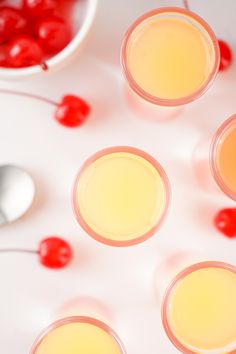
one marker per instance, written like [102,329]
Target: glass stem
[186,4]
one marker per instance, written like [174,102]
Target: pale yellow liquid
[202,311]
[121,196]
[170,56]
[78,338]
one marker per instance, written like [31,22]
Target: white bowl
[83,16]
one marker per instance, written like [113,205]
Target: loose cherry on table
[71,111]
[226,56]
[225,222]
[53,252]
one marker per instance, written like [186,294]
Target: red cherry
[65,8]
[39,8]
[53,34]
[12,22]
[226,56]
[3,57]
[55,253]
[24,51]
[4,63]
[72,111]
[225,221]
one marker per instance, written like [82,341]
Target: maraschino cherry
[24,51]
[53,34]
[33,33]
[71,111]
[226,56]
[3,57]
[225,222]
[39,8]
[53,252]
[13,22]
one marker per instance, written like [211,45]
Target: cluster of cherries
[32,33]
[29,35]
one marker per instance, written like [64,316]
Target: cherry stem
[17,250]
[44,66]
[186,4]
[29,95]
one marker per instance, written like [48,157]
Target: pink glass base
[84,306]
[149,111]
[172,264]
[202,169]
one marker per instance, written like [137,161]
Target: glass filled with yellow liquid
[78,335]
[214,160]
[223,157]
[170,56]
[199,309]
[121,196]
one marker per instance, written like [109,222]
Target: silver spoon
[17,191]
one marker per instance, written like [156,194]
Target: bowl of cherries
[40,35]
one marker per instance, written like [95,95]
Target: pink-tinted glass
[169,291]
[162,174]
[77,319]
[157,100]
[216,141]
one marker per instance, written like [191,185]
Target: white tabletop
[121,279]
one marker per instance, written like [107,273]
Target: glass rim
[165,101]
[213,156]
[78,319]
[132,150]
[180,276]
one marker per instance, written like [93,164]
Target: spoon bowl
[17,191]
